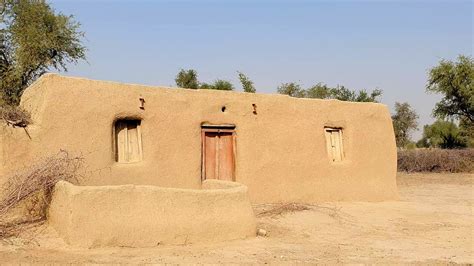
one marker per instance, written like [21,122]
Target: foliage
[319,91]
[342,93]
[404,121]
[454,81]
[442,134]
[292,89]
[222,85]
[436,160]
[247,84]
[322,91]
[466,130]
[34,39]
[187,79]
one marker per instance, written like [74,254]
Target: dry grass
[436,160]
[280,209]
[15,116]
[15,228]
[32,188]
[274,210]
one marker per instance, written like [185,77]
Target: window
[128,141]
[334,143]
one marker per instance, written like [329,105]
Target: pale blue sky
[359,44]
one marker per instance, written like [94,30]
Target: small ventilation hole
[223,109]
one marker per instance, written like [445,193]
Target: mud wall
[147,216]
[281,148]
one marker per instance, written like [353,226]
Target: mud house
[283,149]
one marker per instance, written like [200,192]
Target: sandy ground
[432,223]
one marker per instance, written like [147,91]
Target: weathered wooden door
[218,153]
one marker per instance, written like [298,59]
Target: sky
[389,45]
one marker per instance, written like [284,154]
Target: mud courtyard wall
[281,143]
[148,216]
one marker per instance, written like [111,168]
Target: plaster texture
[146,216]
[280,145]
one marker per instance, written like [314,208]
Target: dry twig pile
[35,185]
[15,116]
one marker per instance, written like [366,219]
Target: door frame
[227,128]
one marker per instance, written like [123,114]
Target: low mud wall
[146,216]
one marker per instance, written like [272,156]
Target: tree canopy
[322,91]
[442,134]
[292,89]
[221,85]
[454,81]
[247,84]
[34,39]
[404,121]
[187,79]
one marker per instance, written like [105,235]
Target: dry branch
[15,116]
[280,209]
[34,185]
[17,227]
[436,160]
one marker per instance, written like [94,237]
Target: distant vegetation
[443,134]
[188,79]
[247,84]
[404,122]
[436,160]
[322,91]
[454,81]
[454,127]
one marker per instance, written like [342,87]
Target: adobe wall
[280,151]
[147,216]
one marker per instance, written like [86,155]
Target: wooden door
[218,154]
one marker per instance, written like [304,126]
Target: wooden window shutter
[128,142]
[334,144]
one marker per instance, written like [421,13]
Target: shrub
[436,160]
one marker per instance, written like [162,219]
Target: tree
[292,89]
[442,134]
[34,39]
[454,81]
[364,96]
[322,91]
[319,91]
[222,85]
[344,94]
[187,79]
[404,120]
[247,84]
[466,130]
